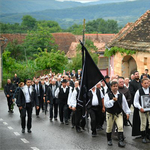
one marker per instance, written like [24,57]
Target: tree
[28,22]
[41,38]
[54,59]
[52,25]
[75,29]
[77,60]
[102,26]
[8,62]
[11,66]
[15,49]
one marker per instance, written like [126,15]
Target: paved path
[48,135]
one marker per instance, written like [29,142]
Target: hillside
[22,6]
[122,12]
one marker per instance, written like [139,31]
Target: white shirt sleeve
[73,100]
[125,106]
[108,103]
[136,100]
[69,96]
[57,92]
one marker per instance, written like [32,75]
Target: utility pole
[83,41]
[83,31]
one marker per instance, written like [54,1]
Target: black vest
[141,92]
[77,93]
[116,108]
[98,93]
[63,97]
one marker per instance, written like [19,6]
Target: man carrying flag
[95,103]
[90,77]
[114,112]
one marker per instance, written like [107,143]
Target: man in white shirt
[73,103]
[63,93]
[38,89]
[26,100]
[114,107]
[102,108]
[144,115]
[96,99]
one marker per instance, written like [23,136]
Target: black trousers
[29,114]
[69,113]
[94,112]
[79,120]
[63,112]
[45,104]
[9,102]
[102,117]
[40,105]
[73,118]
[54,107]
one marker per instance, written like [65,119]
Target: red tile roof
[134,36]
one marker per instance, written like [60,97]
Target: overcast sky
[85,1]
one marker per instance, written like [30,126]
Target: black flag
[91,75]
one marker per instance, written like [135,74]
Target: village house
[133,37]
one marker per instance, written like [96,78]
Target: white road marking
[16,133]
[25,141]
[10,128]
[5,123]
[35,148]
[1,119]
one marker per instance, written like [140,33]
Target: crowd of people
[61,91]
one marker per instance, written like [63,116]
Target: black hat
[64,81]
[107,77]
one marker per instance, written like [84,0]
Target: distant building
[134,36]
[100,41]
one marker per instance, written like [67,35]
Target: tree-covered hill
[122,12]
[22,6]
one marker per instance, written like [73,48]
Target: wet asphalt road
[48,135]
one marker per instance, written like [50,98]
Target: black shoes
[66,123]
[109,140]
[121,139]
[94,134]
[109,143]
[23,131]
[50,119]
[55,119]
[78,130]
[121,144]
[10,111]
[144,140]
[29,131]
